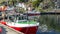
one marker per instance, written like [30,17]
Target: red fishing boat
[20,23]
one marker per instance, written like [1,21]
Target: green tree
[52,4]
[21,0]
[12,2]
[36,3]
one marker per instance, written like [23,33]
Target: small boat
[20,23]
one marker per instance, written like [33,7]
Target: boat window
[11,18]
[19,18]
[22,18]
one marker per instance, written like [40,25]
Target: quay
[8,30]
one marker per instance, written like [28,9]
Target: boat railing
[21,21]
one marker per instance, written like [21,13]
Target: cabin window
[22,18]
[11,18]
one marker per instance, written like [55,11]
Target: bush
[36,3]
[21,0]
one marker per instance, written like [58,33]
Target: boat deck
[8,30]
[27,22]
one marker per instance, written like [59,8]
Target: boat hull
[26,30]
